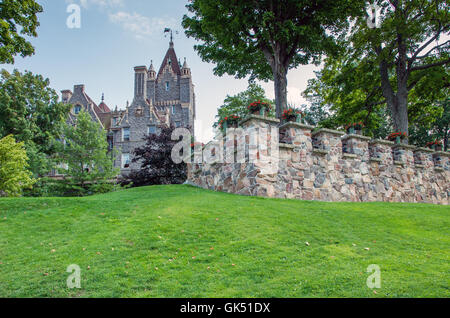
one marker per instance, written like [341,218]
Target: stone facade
[325,165]
[160,99]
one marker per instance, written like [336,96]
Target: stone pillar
[299,136]
[261,167]
[295,160]
[403,155]
[327,164]
[423,158]
[381,151]
[441,161]
[356,145]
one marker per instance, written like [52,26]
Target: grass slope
[179,241]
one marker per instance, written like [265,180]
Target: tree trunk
[280,84]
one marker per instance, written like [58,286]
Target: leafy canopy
[14,176]
[18,18]
[85,152]
[237,104]
[30,110]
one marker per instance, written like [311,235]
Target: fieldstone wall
[322,164]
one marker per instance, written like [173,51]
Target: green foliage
[180,241]
[18,18]
[90,168]
[29,109]
[388,64]
[264,39]
[14,176]
[237,104]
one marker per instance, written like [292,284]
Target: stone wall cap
[423,149]
[296,125]
[354,136]
[329,131]
[443,153]
[375,159]
[320,151]
[381,142]
[348,155]
[261,118]
[289,146]
[405,146]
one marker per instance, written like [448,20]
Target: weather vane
[169,30]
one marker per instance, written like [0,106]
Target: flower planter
[397,137]
[291,119]
[259,108]
[259,112]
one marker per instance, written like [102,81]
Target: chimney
[66,95]
[140,80]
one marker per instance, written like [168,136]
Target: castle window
[126,134]
[126,160]
[174,109]
[151,130]
[167,86]
[77,109]
[177,124]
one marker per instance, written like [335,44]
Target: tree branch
[426,66]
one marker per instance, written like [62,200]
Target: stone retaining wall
[324,165]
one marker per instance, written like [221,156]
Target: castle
[160,99]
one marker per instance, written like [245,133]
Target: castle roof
[172,57]
[104,108]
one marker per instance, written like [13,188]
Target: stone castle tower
[163,98]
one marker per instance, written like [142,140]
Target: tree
[265,38]
[29,110]
[84,149]
[350,88]
[237,104]
[402,52]
[17,18]
[14,176]
[157,166]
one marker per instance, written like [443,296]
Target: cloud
[141,26]
[103,4]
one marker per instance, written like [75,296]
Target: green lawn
[180,241]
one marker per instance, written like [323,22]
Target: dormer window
[126,134]
[77,109]
[167,86]
[170,61]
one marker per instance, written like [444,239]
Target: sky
[117,35]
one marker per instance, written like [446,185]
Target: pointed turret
[151,72]
[185,70]
[170,60]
